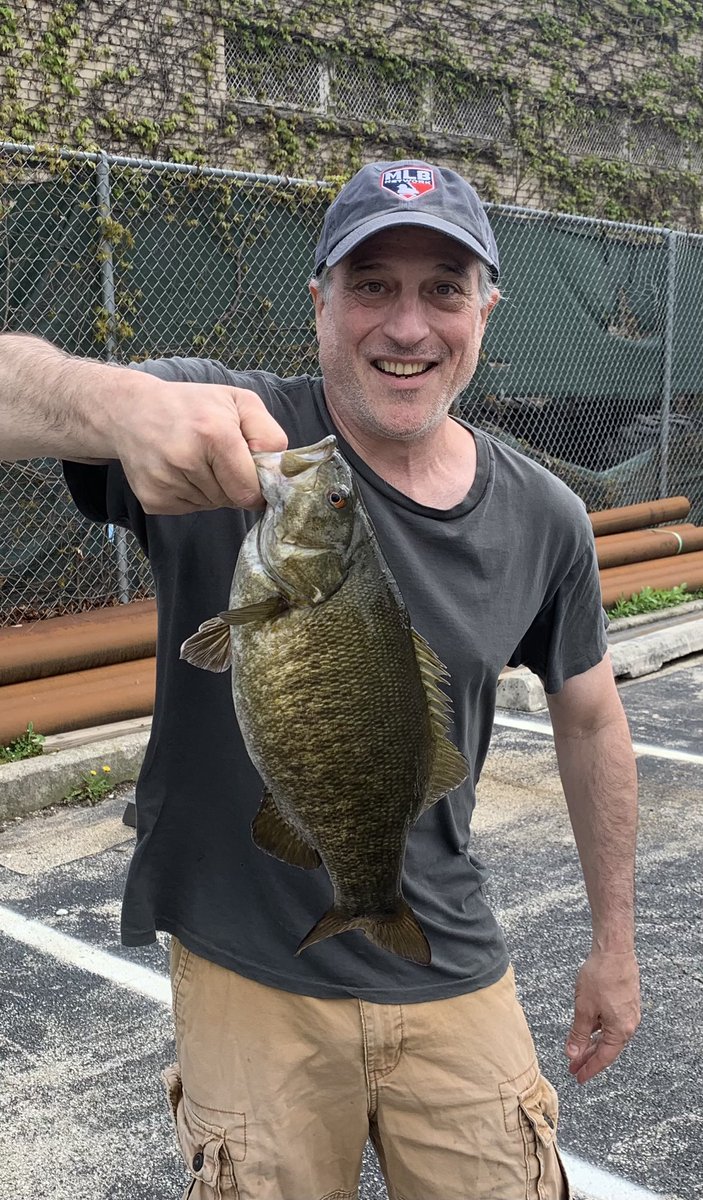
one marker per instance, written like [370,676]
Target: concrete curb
[520,689]
[37,783]
[642,655]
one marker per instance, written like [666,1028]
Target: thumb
[579,1037]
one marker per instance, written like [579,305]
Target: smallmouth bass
[337,697]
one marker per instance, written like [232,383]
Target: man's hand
[188,446]
[606,1013]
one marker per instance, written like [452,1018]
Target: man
[287,1064]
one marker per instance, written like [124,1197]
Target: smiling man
[287,1064]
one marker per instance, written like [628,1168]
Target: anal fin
[272,833]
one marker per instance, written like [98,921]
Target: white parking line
[601,1185]
[644,748]
[88,958]
[591,1181]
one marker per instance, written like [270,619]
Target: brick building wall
[187,80]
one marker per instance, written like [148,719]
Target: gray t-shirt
[506,576]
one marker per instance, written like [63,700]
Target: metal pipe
[102,171]
[78,700]
[645,545]
[639,516]
[642,577]
[60,645]
[665,423]
[155,164]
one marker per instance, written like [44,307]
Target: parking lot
[86,1025]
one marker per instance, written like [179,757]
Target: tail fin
[399,931]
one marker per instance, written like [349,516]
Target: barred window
[469,108]
[285,73]
[364,90]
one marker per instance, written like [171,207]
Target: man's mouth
[401,369]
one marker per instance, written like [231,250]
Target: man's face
[399,332]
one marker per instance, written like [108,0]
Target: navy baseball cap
[383,195]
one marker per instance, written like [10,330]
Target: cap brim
[392,220]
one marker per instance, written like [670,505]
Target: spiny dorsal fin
[449,767]
[272,833]
[209,648]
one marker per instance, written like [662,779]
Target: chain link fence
[589,363]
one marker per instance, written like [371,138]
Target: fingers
[259,430]
[232,465]
[193,448]
[606,1013]
[600,1053]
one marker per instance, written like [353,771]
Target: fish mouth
[293,462]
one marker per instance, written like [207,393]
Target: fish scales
[340,684]
[336,696]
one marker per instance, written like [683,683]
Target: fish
[338,698]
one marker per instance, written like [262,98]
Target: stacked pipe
[638,547]
[97,667]
[71,672]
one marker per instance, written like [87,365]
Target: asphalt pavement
[85,1026]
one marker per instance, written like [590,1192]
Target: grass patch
[28,745]
[651,600]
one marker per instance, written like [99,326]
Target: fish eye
[338,498]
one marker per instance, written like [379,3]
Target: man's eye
[447,289]
[372,287]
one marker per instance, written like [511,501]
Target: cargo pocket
[210,1149]
[538,1114]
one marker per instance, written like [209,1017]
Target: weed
[91,789]
[27,745]
[652,599]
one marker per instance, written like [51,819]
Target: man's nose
[406,321]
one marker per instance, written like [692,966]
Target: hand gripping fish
[337,697]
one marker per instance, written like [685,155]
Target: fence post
[666,368]
[108,299]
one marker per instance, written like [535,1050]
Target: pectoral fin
[209,648]
[272,833]
[449,767]
[263,610]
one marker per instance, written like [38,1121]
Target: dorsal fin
[449,767]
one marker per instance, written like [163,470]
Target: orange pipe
[642,545]
[79,699]
[662,573]
[74,643]
[639,516]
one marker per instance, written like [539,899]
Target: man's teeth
[397,368]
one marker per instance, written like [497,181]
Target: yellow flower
[93,772]
[106,769]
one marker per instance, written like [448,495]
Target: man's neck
[437,470]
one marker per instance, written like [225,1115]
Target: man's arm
[598,772]
[183,446]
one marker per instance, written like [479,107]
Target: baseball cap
[386,194]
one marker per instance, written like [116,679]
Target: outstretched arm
[183,446]
[599,776]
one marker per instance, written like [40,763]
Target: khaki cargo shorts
[274,1095]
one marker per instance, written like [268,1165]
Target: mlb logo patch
[408,183]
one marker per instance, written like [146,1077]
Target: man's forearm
[600,783]
[53,404]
